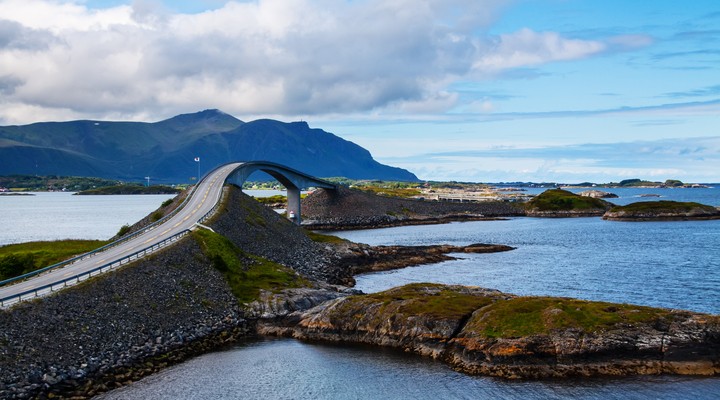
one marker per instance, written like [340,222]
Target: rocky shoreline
[662,211]
[466,328]
[119,327]
[354,209]
[358,258]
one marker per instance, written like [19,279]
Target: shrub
[123,230]
[156,216]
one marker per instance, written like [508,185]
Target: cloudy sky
[470,90]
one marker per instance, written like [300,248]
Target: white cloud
[527,48]
[267,57]
[60,16]
[688,159]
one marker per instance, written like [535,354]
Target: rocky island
[562,203]
[662,211]
[484,331]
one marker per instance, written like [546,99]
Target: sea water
[668,264]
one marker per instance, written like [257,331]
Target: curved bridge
[196,208]
[293,180]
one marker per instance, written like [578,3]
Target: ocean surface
[668,264]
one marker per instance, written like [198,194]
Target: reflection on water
[289,369]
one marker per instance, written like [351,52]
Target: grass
[493,316]
[524,316]
[415,299]
[278,198]
[391,192]
[246,274]
[322,238]
[563,200]
[131,189]
[663,206]
[21,258]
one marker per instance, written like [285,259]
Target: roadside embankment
[346,208]
[117,327]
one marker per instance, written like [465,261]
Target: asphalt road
[203,199]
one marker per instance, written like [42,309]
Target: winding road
[201,201]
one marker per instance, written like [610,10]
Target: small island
[562,203]
[487,332]
[662,211]
[131,189]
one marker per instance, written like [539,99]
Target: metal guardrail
[214,209]
[77,278]
[47,289]
[105,247]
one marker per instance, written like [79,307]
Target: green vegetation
[322,238]
[278,198]
[495,316]
[673,183]
[644,183]
[131,189]
[246,274]
[53,183]
[415,299]
[262,185]
[562,200]
[391,192]
[156,216]
[123,230]
[663,206]
[523,316]
[21,258]
[166,203]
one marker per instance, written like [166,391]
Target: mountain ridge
[165,150]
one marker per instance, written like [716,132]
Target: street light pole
[197,160]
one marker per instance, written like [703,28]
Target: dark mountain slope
[165,150]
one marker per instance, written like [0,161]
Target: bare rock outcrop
[598,194]
[484,331]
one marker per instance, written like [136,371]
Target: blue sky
[493,90]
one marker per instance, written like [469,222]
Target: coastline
[271,309]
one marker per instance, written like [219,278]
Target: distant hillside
[166,150]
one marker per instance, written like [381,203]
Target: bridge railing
[107,246]
[80,277]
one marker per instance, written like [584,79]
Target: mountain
[166,150]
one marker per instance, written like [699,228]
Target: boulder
[598,194]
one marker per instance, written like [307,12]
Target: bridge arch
[293,180]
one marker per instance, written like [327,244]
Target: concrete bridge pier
[293,181]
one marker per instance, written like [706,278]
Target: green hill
[166,150]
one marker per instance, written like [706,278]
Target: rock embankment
[484,331]
[259,230]
[346,208]
[118,327]
[154,216]
[662,211]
